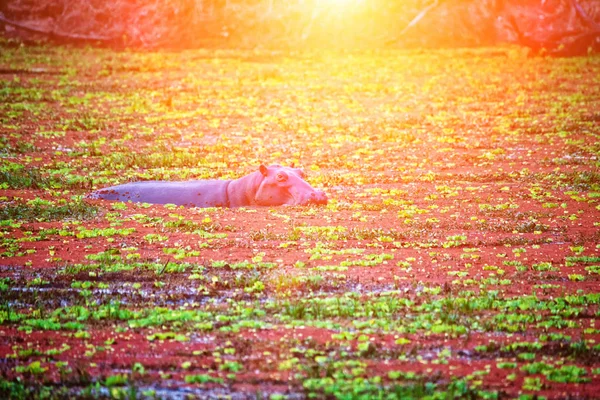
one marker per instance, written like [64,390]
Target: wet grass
[41,210]
[457,257]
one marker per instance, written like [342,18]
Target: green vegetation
[41,210]
[459,248]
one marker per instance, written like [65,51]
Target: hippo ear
[263,170]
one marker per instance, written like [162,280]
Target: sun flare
[341,3]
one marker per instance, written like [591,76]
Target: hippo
[268,186]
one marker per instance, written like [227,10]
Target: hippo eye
[281,177]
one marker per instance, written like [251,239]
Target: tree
[568,31]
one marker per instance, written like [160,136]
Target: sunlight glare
[341,2]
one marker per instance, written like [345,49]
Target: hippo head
[286,186]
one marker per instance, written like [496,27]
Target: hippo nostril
[317,197]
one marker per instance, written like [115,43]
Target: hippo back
[208,193]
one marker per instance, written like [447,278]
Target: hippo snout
[317,197]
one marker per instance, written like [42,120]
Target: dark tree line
[554,27]
[563,28]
